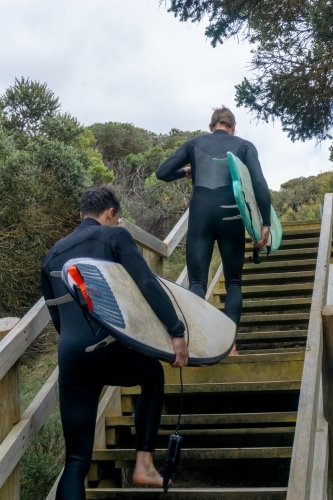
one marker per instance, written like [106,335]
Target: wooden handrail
[177,233]
[299,487]
[22,335]
[145,239]
[153,244]
[18,440]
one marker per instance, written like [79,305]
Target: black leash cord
[180,369]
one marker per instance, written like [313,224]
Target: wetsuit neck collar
[89,221]
[220,131]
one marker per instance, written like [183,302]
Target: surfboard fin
[60,300]
[171,460]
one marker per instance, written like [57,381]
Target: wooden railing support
[327,375]
[10,411]
[155,262]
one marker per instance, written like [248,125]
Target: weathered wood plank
[10,411]
[155,262]
[187,494]
[22,335]
[275,319]
[20,437]
[277,304]
[145,239]
[109,406]
[306,276]
[303,450]
[271,336]
[182,280]
[190,454]
[320,461]
[293,264]
[177,233]
[214,282]
[213,419]
[290,385]
[273,289]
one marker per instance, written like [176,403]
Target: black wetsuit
[82,374]
[213,188]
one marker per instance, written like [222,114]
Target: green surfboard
[247,203]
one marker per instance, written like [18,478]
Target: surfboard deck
[247,204]
[118,306]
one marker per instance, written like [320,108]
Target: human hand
[181,351]
[264,237]
[188,174]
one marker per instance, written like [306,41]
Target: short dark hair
[224,116]
[96,200]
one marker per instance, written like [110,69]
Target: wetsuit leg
[231,243]
[130,368]
[83,376]
[207,224]
[200,242]
[78,408]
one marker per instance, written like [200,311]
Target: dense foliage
[134,154]
[46,161]
[292,68]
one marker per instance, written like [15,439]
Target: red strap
[78,280]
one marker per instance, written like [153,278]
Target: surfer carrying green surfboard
[214,215]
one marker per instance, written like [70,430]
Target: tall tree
[292,60]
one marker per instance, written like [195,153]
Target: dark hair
[224,116]
[96,200]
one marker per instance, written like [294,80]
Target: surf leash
[256,251]
[174,446]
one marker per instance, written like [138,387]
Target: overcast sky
[131,61]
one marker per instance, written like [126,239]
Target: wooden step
[295,304]
[213,419]
[292,243]
[283,255]
[275,319]
[187,494]
[278,277]
[273,336]
[195,457]
[129,394]
[288,265]
[268,290]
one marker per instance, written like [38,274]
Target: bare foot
[233,351]
[147,477]
[145,473]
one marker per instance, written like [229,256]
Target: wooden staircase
[239,416]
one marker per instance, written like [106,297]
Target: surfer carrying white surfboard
[82,372]
[214,215]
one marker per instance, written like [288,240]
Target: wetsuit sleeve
[48,295]
[129,257]
[260,187]
[172,168]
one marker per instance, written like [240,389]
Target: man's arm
[172,168]
[48,295]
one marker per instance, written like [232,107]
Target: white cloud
[110,60]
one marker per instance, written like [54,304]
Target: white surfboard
[117,305]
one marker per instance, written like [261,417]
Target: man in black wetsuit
[82,375]
[213,202]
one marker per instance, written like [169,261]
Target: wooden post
[327,375]
[155,262]
[10,411]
